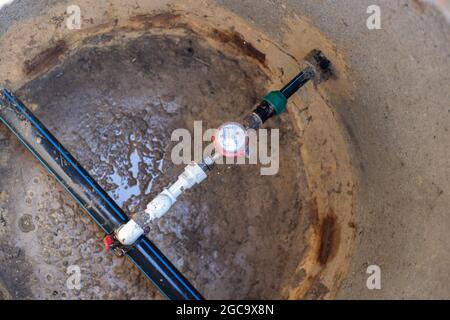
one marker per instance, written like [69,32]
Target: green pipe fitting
[277,100]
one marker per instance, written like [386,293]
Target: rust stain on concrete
[238,41]
[45,59]
[329,239]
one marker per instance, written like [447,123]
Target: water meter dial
[230,139]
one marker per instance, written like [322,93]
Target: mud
[114,107]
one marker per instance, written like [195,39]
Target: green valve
[277,100]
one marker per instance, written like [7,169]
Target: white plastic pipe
[131,231]
[193,174]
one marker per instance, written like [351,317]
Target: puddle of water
[123,192]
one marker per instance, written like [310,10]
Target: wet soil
[114,104]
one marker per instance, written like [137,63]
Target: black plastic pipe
[297,82]
[90,196]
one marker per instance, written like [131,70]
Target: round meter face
[230,139]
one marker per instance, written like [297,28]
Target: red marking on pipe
[108,241]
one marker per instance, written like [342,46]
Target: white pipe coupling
[128,233]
